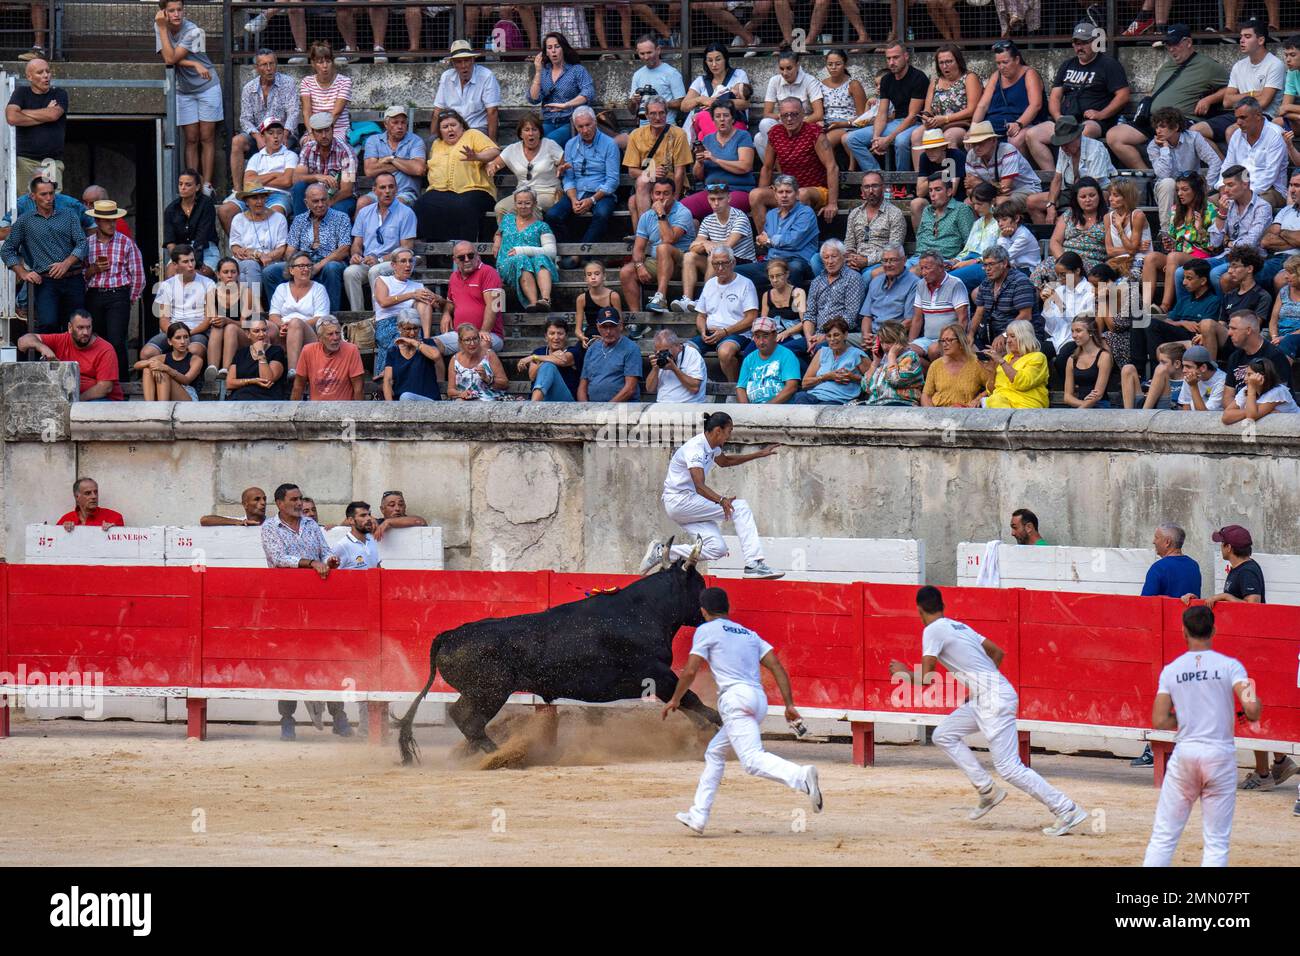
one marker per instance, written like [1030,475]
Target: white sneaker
[380,55]
[256,25]
[988,800]
[685,820]
[299,58]
[210,373]
[657,303]
[1066,822]
[683,305]
[814,789]
[345,56]
[653,557]
[761,570]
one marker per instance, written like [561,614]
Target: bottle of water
[911,34]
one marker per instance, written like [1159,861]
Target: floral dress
[837,101]
[1193,236]
[532,260]
[951,100]
[903,386]
[1089,244]
[469,380]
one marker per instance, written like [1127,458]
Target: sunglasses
[786,116]
[465,257]
[1003,46]
[389,493]
[528,173]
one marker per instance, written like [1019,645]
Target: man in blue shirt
[891,296]
[663,233]
[770,374]
[401,152]
[666,80]
[790,232]
[1184,320]
[611,370]
[589,183]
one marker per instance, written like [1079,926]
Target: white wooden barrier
[228,547]
[1052,568]
[50,544]
[876,560]
[1281,577]
[404,548]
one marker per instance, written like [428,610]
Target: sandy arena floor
[123,794]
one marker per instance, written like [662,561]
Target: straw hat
[979,132]
[106,209]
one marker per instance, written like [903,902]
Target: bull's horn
[695,552]
[668,554]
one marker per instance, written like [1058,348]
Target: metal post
[686,43]
[458,24]
[54,30]
[231,83]
[900,26]
[1112,30]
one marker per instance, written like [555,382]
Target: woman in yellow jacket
[1019,379]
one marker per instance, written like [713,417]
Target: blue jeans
[808,398]
[1218,266]
[299,191]
[801,273]
[858,143]
[1272,266]
[558,216]
[331,277]
[1290,344]
[52,301]
[971,276]
[551,384]
[414,397]
[561,131]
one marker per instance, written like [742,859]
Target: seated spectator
[229,307]
[1176,152]
[297,309]
[257,370]
[395,294]
[945,223]
[836,293]
[724,160]
[596,296]
[327,91]
[1159,394]
[800,152]
[182,298]
[554,368]
[770,373]
[170,377]
[535,162]
[663,235]
[950,102]
[87,512]
[524,248]
[999,164]
[474,373]
[984,232]
[1202,383]
[1258,147]
[955,379]
[940,299]
[1248,345]
[1264,394]
[724,226]
[1020,375]
[656,151]
[357,550]
[790,80]
[191,219]
[937,157]
[270,93]
[1063,301]
[271,167]
[783,303]
[611,367]
[474,297]
[400,152]
[905,88]
[725,313]
[1089,367]
[253,501]
[1080,157]
[258,237]
[412,368]
[891,296]
[837,369]
[469,88]
[323,158]
[1117,303]
[590,182]
[393,516]
[719,85]
[460,193]
[677,374]
[561,86]
[325,234]
[896,375]
[1284,322]
[1080,229]
[790,232]
[1012,100]
[1240,292]
[872,226]
[95,358]
[1128,234]
[1282,238]
[329,368]
[1004,297]
[1199,305]
[1024,528]
[380,230]
[1188,223]
[1014,236]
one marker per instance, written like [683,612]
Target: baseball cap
[1234,536]
[1175,33]
[321,121]
[608,316]
[1200,355]
[269,122]
[763,324]
[1084,30]
[396,109]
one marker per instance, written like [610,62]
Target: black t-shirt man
[44,140]
[1089,86]
[1257,299]
[1245,580]
[924,167]
[1238,364]
[913,86]
[246,367]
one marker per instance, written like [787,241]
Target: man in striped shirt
[46,248]
[327,160]
[114,278]
[722,227]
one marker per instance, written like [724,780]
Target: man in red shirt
[474,296]
[95,357]
[329,367]
[88,512]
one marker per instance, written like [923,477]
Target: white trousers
[1195,772]
[356,277]
[698,515]
[998,724]
[741,709]
[1166,193]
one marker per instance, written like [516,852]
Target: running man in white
[698,508]
[734,655]
[1196,697]
[990,708]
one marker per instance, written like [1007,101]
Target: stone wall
[571,487]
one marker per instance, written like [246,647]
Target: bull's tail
[406,737]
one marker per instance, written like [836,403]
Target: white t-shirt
[805,87]
[1200,683]
[696,453]
[395,287]
[725,305]
[1253,78]
[732,652]
[188,300]
[1211,392]
[671,388]
[355,555]
[738,76]
[264,163]
[1278,393]
[545,178]
[270,233]
[961,651]
[314,303]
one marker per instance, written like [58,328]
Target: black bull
[603,648]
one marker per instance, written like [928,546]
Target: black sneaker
[1146,760]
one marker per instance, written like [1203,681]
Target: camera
[662,358]
[643,92]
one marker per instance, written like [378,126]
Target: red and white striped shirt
[125,264]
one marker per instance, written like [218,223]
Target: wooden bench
[1048,568]
[877,560]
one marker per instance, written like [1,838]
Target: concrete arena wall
[576,488]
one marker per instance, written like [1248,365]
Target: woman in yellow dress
[460,193]
[1019,378]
